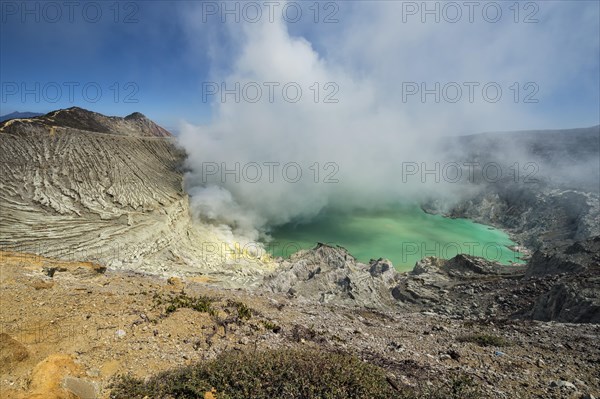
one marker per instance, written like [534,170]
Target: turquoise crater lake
[402,234]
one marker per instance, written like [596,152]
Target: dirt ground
[67,328]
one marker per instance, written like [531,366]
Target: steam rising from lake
[353,130]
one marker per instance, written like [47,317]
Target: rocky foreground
[69,328]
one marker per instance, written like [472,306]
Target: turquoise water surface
[404,235]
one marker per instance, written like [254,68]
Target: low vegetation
[308,374]
[287,374]
[183,300]
[484,340]
[243,311]
[269,325]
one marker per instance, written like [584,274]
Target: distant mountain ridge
[134,125]
[19,115]
[551,145]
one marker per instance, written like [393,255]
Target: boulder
[570,258]
[331,275]
[570,302]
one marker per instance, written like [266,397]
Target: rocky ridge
[548,190]
[80,185]
[75,118]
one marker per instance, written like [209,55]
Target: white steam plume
[368,135]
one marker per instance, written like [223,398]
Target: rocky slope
[79,119]
[575,295]
[72,327]
[562,286]
[79,185]
[548,192]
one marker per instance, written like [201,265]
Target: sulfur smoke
[354,130]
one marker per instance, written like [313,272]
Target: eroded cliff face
[544,188]
[575,295]
[536,216]
[80,185]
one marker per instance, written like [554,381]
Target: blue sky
[146,56]
[158,54]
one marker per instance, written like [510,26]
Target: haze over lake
[404,235]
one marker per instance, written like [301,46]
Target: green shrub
[306,374]
[269,325]
[183,300]
[454,386]
[484,340]
[243,311]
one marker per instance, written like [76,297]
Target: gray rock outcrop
[330,274]
[575,295]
